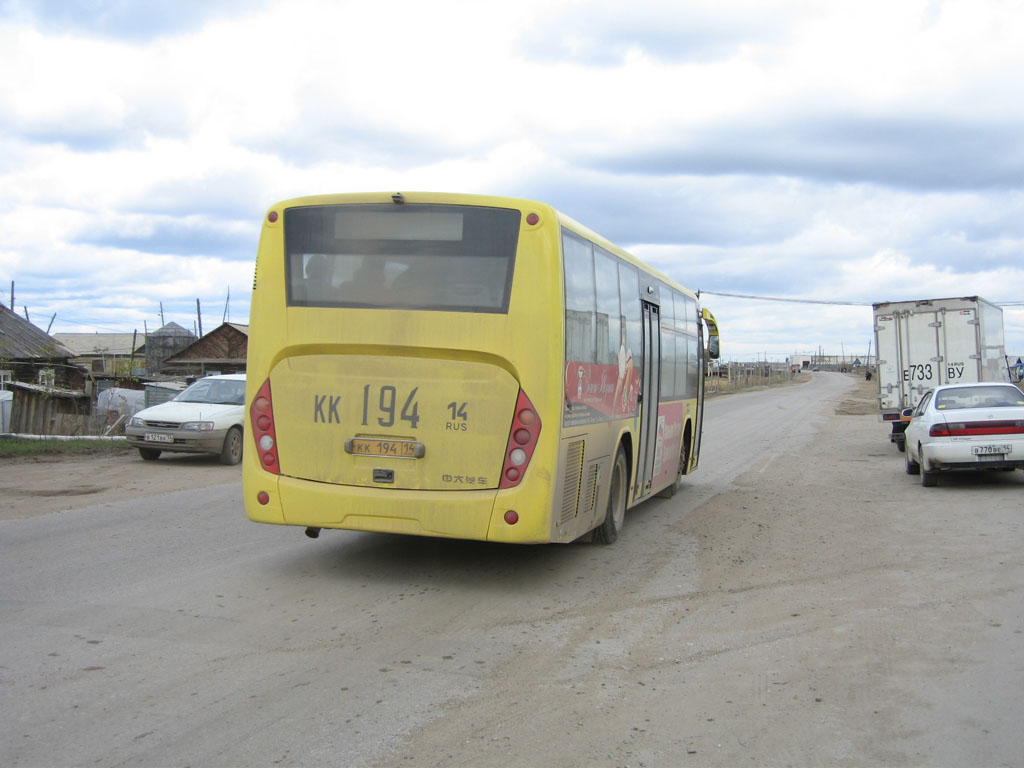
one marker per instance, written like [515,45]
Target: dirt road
[801,602]
[40,486]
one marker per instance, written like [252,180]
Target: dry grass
[20,448]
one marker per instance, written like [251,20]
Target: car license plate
[396,449]
[988,450]
[156,437]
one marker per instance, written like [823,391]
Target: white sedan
[965,426]
[206,417]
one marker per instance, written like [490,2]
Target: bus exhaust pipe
[313,533]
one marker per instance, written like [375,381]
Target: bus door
[705,320]
[649,390]
[703,364]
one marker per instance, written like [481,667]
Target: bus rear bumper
[478,515]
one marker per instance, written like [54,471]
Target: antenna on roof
[227,304]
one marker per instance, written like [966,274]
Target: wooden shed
[44,410]
[222,350]
[28,354]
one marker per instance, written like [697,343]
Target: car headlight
[198,426]
[135,421]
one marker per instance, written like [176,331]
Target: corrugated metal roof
[20,340]
[172,329]
[83,344]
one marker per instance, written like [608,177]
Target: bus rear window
[432,257]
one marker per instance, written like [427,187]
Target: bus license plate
[988,450]
[396,449]
[156,437]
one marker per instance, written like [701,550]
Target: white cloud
[847,151]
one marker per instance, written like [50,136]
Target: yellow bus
[463,366]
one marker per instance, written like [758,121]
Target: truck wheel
[615,516]
[149,454]
[231,453]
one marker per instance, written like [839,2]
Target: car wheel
[149,454]
[615,516]
[231,453]
[929,478]
[913,468]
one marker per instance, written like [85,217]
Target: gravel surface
[801,601]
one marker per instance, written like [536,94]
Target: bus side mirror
[906,414]
[713,343]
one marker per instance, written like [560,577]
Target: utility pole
[162,323]
[199,315]
[51,323]
[12,295]
[26,313]
[227,304]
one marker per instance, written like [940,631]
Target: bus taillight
[261,415]
[522,439]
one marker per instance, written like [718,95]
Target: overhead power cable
[823,301]
[792,301]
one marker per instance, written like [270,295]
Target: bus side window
[580,309]
[609,323]
[632,315]
[668,363]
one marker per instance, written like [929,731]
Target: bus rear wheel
[615,515]
[684,463]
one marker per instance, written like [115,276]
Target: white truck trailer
[924,344]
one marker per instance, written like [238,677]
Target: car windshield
[219,391]
[979,397]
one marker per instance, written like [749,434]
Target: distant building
[48,390]
[222,350]
[30,355]
[104,354]
[831,362]
[163,343]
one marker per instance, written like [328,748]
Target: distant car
[205,418]
[964,427]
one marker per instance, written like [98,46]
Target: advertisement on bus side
[596,393]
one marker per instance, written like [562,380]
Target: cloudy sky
[839,153]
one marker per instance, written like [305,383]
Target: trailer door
[890,363]
[922,358]
[960,344]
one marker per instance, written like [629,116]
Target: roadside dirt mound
[862,400]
